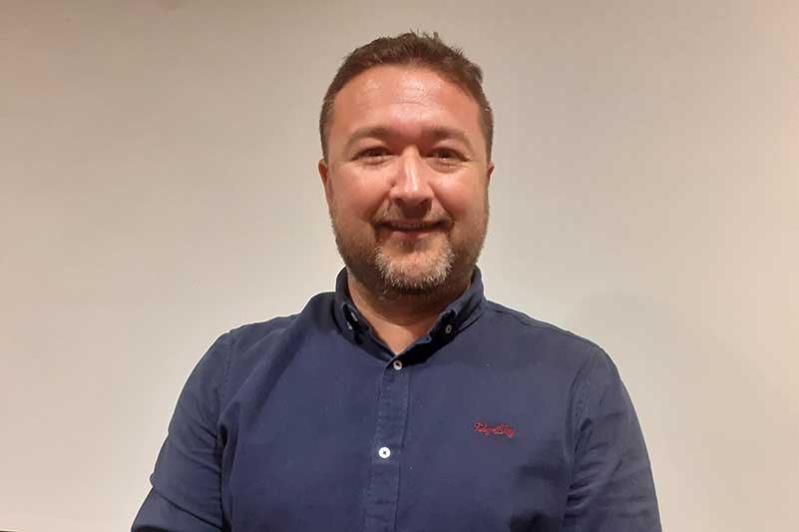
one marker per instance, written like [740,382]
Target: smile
[412,228]
[407,229]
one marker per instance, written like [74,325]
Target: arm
[612,488]
[185,494]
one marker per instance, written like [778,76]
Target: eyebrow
[434,134]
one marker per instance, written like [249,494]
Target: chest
[419,447]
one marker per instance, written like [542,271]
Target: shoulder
[238,352]
[540,337]
[562,354]
[245,337]
[587,367]
[248,346]
[258,336]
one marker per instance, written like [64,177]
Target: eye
[445,156]
[373,155]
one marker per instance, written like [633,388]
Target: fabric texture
[494,421]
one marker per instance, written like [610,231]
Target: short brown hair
[415,49]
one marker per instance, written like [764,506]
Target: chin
[415,273]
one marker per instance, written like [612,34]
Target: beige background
[158,176]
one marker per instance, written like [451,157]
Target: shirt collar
[457,316]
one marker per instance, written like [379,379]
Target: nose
[411,186]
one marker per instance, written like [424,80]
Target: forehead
[403,98]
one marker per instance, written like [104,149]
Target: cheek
[462,200]
[357,197]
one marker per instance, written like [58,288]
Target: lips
[412,228]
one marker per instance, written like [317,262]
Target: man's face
[406,180]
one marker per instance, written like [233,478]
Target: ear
[489,171]
[324,174]
[323,170]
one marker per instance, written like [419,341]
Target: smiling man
[404,400]
[406,179]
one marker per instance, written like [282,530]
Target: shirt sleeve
[185,494]
[612,489]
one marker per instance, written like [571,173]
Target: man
[404,401]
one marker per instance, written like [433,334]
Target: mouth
[412,228]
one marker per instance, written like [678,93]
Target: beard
[425,268]
[414,267]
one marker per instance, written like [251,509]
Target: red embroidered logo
[500,430]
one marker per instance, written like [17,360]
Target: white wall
[157,163]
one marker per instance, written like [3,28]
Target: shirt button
[448,328]
[354,317]
[349,325]
[384,452]
[397,365]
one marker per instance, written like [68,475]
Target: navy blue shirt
[491,422]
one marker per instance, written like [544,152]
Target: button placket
[380,508]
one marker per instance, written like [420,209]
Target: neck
[401,319]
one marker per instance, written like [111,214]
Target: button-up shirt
[493,421]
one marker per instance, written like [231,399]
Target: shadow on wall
[722,439]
